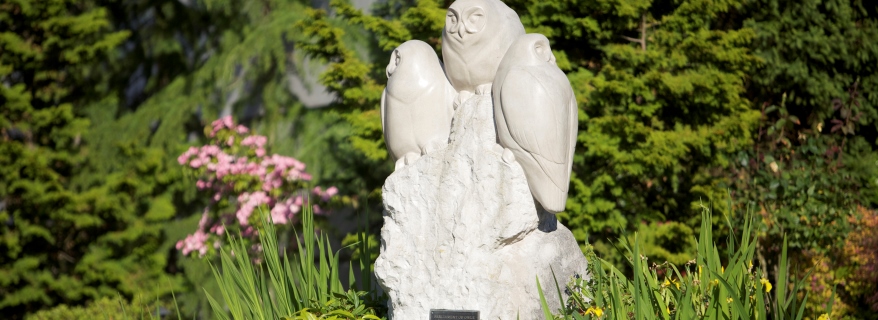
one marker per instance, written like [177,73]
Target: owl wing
[536,112]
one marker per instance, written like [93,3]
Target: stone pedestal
[461,231]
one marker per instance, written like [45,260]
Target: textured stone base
[461,231]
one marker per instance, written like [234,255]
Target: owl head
[531,49]
[416,55]
[476,35]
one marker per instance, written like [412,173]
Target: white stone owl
[416,106]
[536,118]
[476,35]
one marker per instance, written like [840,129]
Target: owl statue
[476,35]
[416,106]
[536,118]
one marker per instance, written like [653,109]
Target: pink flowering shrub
[239,175]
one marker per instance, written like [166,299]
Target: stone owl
[416,105]
[536,118]
[476,35]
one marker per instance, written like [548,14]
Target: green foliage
[282,288]
[814,155]
[65,241]
[670,241]
[814,51]
[104,308]
[806,189]
[705,289]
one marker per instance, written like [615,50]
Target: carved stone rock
[461,230]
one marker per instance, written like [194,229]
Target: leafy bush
[281,288]
[861,253]
[104,308]
[806,183]
[851,274]
[705,289]
[239,175]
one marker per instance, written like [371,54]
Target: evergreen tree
[62,242]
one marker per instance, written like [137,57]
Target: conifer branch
[643,27]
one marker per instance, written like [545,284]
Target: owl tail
[551,198]
[544,191]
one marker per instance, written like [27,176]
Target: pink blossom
[325,195]
[221,172]
[221,123]
[204,217]
[254,141]
[193,242]
[247,203]
[280,214]
[183,158]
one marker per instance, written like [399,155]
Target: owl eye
[475,19]
[544,52]
[394,62]
[451,21]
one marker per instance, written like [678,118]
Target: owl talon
[462,97]
[484,89]
[433,146]
[400,163]
[508,157]
[411,157]
[498,149]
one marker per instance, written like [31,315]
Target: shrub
[104,308]
[239,174]
[861,252]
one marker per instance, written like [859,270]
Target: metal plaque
[445,314]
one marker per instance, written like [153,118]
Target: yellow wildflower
[766,284]
[722,269]
[729,300]
[823,317]
[597,311]
[750,264]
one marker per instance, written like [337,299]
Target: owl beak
[460,32]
